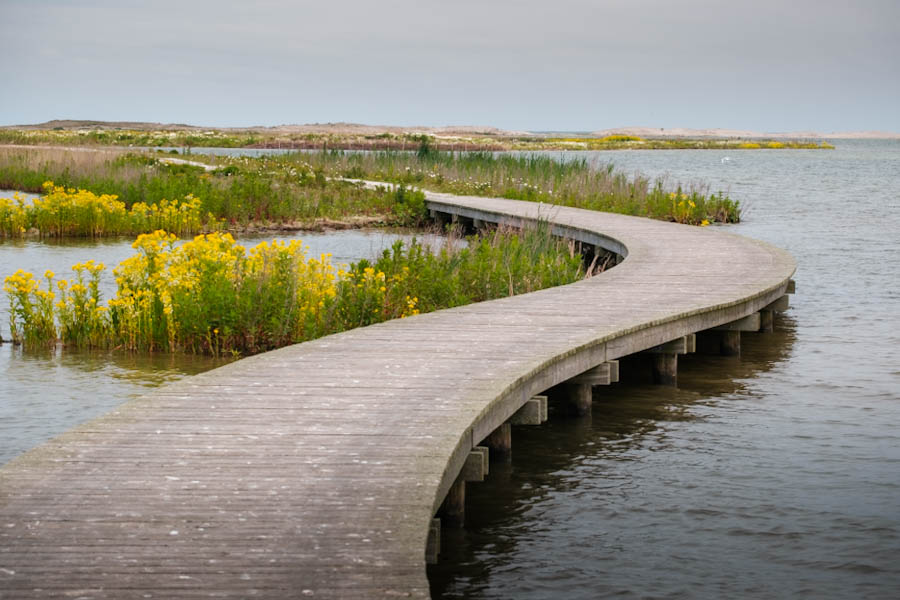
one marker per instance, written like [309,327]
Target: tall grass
[539,178]
[212,295]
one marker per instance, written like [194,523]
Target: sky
[560,65]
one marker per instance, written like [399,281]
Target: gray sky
[518,64]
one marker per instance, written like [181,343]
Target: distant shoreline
[453,131]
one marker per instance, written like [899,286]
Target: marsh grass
[538,178]
[256,192]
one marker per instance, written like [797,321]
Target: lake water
[775,475]
[772,475]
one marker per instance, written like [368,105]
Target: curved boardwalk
[315,470]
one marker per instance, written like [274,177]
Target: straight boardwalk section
[316,470]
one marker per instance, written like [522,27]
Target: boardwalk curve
[315,470]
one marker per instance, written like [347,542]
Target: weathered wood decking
[315,470]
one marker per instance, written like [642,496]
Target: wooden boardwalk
[315,470]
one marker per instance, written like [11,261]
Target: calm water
[45,393]
[776,475]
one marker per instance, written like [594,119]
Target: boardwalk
[315,470]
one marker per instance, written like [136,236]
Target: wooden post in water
[730,333]
[500,441]
[579,398]
[665,369]
[453,510]
[767,321]
[730,343]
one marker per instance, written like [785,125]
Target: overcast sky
[580,65]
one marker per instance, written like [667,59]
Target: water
[43,394]
[776,475]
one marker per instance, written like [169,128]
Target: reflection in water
[593,472]
[45,392]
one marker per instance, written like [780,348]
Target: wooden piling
[579,398]
[500,442]
[453,509]
[665,369]
[730,343]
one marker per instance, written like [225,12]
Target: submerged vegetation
[213,295]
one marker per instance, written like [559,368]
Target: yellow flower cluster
[69,212]
[177,217]
[13,216]
[211,294]
[30,308]
[683,208]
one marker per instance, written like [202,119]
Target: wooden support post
[730,343]
[767,314]
[433,545]
[453,510]
[791,287]
[665,369]
[500,441]
[579,397]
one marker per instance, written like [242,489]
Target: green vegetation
[62,212]
[212,295]
[258,192]
[302,189]
[128,137]
[538,178]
